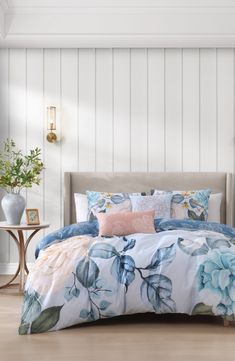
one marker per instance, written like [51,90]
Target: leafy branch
[18,171]
[72,291]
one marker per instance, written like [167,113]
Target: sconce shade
[51,118]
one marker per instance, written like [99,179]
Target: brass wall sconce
[51,124]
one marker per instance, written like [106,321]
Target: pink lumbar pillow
[124,223]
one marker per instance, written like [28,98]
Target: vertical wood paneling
[4,243]
[139,114]
[35,119]
[104,110]
[17,111]
[118,110]
[69,109]
[173,109]
[121,110]
[225,104]
[69,113]
[52,96]
[190,123]
[86,116]
[208,110]
[156,110]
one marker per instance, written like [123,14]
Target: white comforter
[83,279]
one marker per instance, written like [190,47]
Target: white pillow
[214,207]
[81,207]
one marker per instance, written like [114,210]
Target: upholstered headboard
[79,182]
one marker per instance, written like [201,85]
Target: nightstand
[17,234]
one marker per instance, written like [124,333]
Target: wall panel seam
[8,120]
[44,132]
[182,110]
[95,85]
[199,90]
[26,110]
[216,108]
[130,113]
[233,109]
[164,111]
[60,137]
[113,110]
[147,107]
[78,108]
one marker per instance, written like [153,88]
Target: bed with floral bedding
[185,267]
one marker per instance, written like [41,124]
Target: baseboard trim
[10,268]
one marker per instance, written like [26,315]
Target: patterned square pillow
[160,203]
[104,202]
[189,204]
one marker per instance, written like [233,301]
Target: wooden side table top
[23,226]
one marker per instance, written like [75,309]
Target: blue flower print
[217,275]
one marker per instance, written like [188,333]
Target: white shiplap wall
[118,110]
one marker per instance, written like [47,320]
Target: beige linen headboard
[79,182]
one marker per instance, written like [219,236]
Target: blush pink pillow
[124,223]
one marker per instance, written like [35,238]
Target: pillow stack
[123,209]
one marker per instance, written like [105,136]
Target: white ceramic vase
[13,205]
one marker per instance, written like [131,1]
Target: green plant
[18,171]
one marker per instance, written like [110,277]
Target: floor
[142,337]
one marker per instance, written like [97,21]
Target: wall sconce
[51,124]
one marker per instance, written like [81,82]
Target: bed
[187,266]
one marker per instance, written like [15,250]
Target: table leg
[26,246]
[18,268]
[22,259]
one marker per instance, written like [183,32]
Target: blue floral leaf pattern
[130,245]
[104,305]
[194,203]
[192,215]
[24,328]
[163,256]
[76,292]
[101,203]
[202,309]
[103,250]
[232,241]
[84,313]
[47,319]
[158,289]
[117,199]
[177,198]
[32,306]
[68,295]
[217,243]
[87,272]
[93,314]
[123,269]
[217,275]
[93,275]
[192,248]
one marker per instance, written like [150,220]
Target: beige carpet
[136,338]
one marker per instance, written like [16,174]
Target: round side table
[17,234]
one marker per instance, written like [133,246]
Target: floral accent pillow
[123,224]
[189,204]
[104,202]
[160,203]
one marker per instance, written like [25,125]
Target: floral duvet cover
[85,278]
